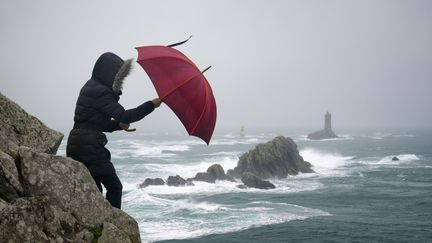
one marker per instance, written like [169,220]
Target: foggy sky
[276,64]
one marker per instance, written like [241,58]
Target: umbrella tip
[180,43]
[203,71]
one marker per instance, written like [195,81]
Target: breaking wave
[163,219]
[325,163]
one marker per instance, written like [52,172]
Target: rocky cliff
[277,158]
[49,198]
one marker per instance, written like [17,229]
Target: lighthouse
[327,132]
[327,122]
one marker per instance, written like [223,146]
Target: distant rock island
[326,133]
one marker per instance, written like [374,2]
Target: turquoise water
[357,195]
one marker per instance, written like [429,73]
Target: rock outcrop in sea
[152,182]
[326,133]
[251,180]
[275,159]
[176,181]
[214,172]
[50,198]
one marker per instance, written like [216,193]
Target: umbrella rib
[178,86]
[204,108]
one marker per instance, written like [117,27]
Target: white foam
[387,160]
[144,149]
[189,169]
[230,153]
[383,135]
[340,138]
[163,219]
[326,163]
[200,187]
[62,148]
[234,141]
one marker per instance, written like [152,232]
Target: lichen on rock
[49,198]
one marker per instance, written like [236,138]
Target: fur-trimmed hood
[111,70]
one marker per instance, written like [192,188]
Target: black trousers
[105,174]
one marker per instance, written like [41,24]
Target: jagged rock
[232,174]
[48,198]
[176,181]
[111,234]
[125,223]
[277,158]
[152,182]
[251,180]
[204,176]
[66,182]
[326,133]
[68,185]
[7,191]
[242,186]
[214,172]
[35,219]
[18,128]
[9,178]
[395,158]
[3,204]
[189,182]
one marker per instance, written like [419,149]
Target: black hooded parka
[97,111]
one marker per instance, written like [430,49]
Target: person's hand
[125,127]
[156,102]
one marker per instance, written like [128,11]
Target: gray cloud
[276,64]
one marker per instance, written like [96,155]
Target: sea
[358,193]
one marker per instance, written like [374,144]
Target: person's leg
[112,183]
[98,183]
[95,172]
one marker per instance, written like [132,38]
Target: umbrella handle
[179,43]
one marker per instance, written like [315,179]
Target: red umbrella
[182,86]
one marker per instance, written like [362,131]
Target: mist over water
[356,184]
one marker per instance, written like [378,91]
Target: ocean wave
[325,163]
[199,188]
[342,137]
[138,149]
[236,141]
[384,135]
[188,169]
[163,219]
[228,153]
[293,184]
[404,159]
[62,148]
[260,135]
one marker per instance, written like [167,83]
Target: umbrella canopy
[182,86]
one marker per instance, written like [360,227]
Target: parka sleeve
[112,126]
[110,107]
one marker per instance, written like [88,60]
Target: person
[98,111]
